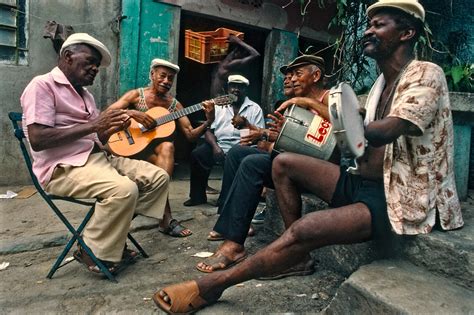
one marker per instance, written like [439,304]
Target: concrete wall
[446,17]
[90,16]
[279,14]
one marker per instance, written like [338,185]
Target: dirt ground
[28,223]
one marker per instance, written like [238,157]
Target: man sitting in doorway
[222,135]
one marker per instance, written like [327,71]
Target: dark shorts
[352,189]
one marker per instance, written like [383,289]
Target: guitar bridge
[129,136]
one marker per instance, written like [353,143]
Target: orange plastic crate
[208,47]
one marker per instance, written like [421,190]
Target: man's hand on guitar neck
[208,107]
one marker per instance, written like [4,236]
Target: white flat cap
[237,78]
[411,7]
[83,38]
[163,63]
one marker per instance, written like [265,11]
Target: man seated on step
[406,178]
[160,152]
[248,170]
[224,133]
[67,134]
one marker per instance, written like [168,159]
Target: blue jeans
[202,161]
[247,170]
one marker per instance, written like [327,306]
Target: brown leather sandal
[82,257]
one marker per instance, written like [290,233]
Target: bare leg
[163,157]
[349,224]
[291,172]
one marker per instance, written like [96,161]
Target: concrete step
[399,287]
[449,254]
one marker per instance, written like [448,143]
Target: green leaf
[457,73]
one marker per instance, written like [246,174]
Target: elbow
[376,139]
[36,146]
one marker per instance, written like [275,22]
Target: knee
[125,188]
[281,165]
[159,177]
[297,233]
[165,149]
[255,163]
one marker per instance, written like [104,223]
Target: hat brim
[284,69]
[106,59]
[238,82]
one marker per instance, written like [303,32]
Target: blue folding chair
[76,233]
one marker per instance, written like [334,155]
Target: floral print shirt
[418,170]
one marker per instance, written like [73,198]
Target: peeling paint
[157,40]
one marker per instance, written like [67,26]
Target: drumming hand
[265,146]
[272,136]
[209,110]
[278,121]
[285,105]
[146,120]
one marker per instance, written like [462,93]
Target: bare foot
[227,255]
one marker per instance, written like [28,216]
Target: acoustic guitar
[136,138]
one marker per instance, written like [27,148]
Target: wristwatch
[264,136]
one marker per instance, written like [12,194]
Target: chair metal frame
[16,119]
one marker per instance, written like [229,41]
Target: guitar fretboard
[178,114]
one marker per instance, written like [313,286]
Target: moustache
[369,39]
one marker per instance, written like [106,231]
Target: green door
[150,30]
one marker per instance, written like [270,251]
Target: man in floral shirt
[406,173]
[418,170]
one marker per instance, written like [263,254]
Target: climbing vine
[349,63]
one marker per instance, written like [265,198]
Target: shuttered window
[13,32]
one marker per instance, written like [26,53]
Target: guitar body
[133,140]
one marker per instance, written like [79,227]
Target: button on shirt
[51,100]
[227,135]
[418,170]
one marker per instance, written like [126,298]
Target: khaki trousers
[123,187]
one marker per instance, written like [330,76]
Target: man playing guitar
[161,152]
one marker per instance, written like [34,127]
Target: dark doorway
[194,79]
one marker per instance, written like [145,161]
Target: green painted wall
[280,48]
[150,30]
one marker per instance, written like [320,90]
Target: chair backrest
[16,119]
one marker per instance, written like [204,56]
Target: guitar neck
[178,114]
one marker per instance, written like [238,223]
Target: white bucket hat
[411,7]
[84,38]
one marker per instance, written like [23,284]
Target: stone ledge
[398,287]
[449,254]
